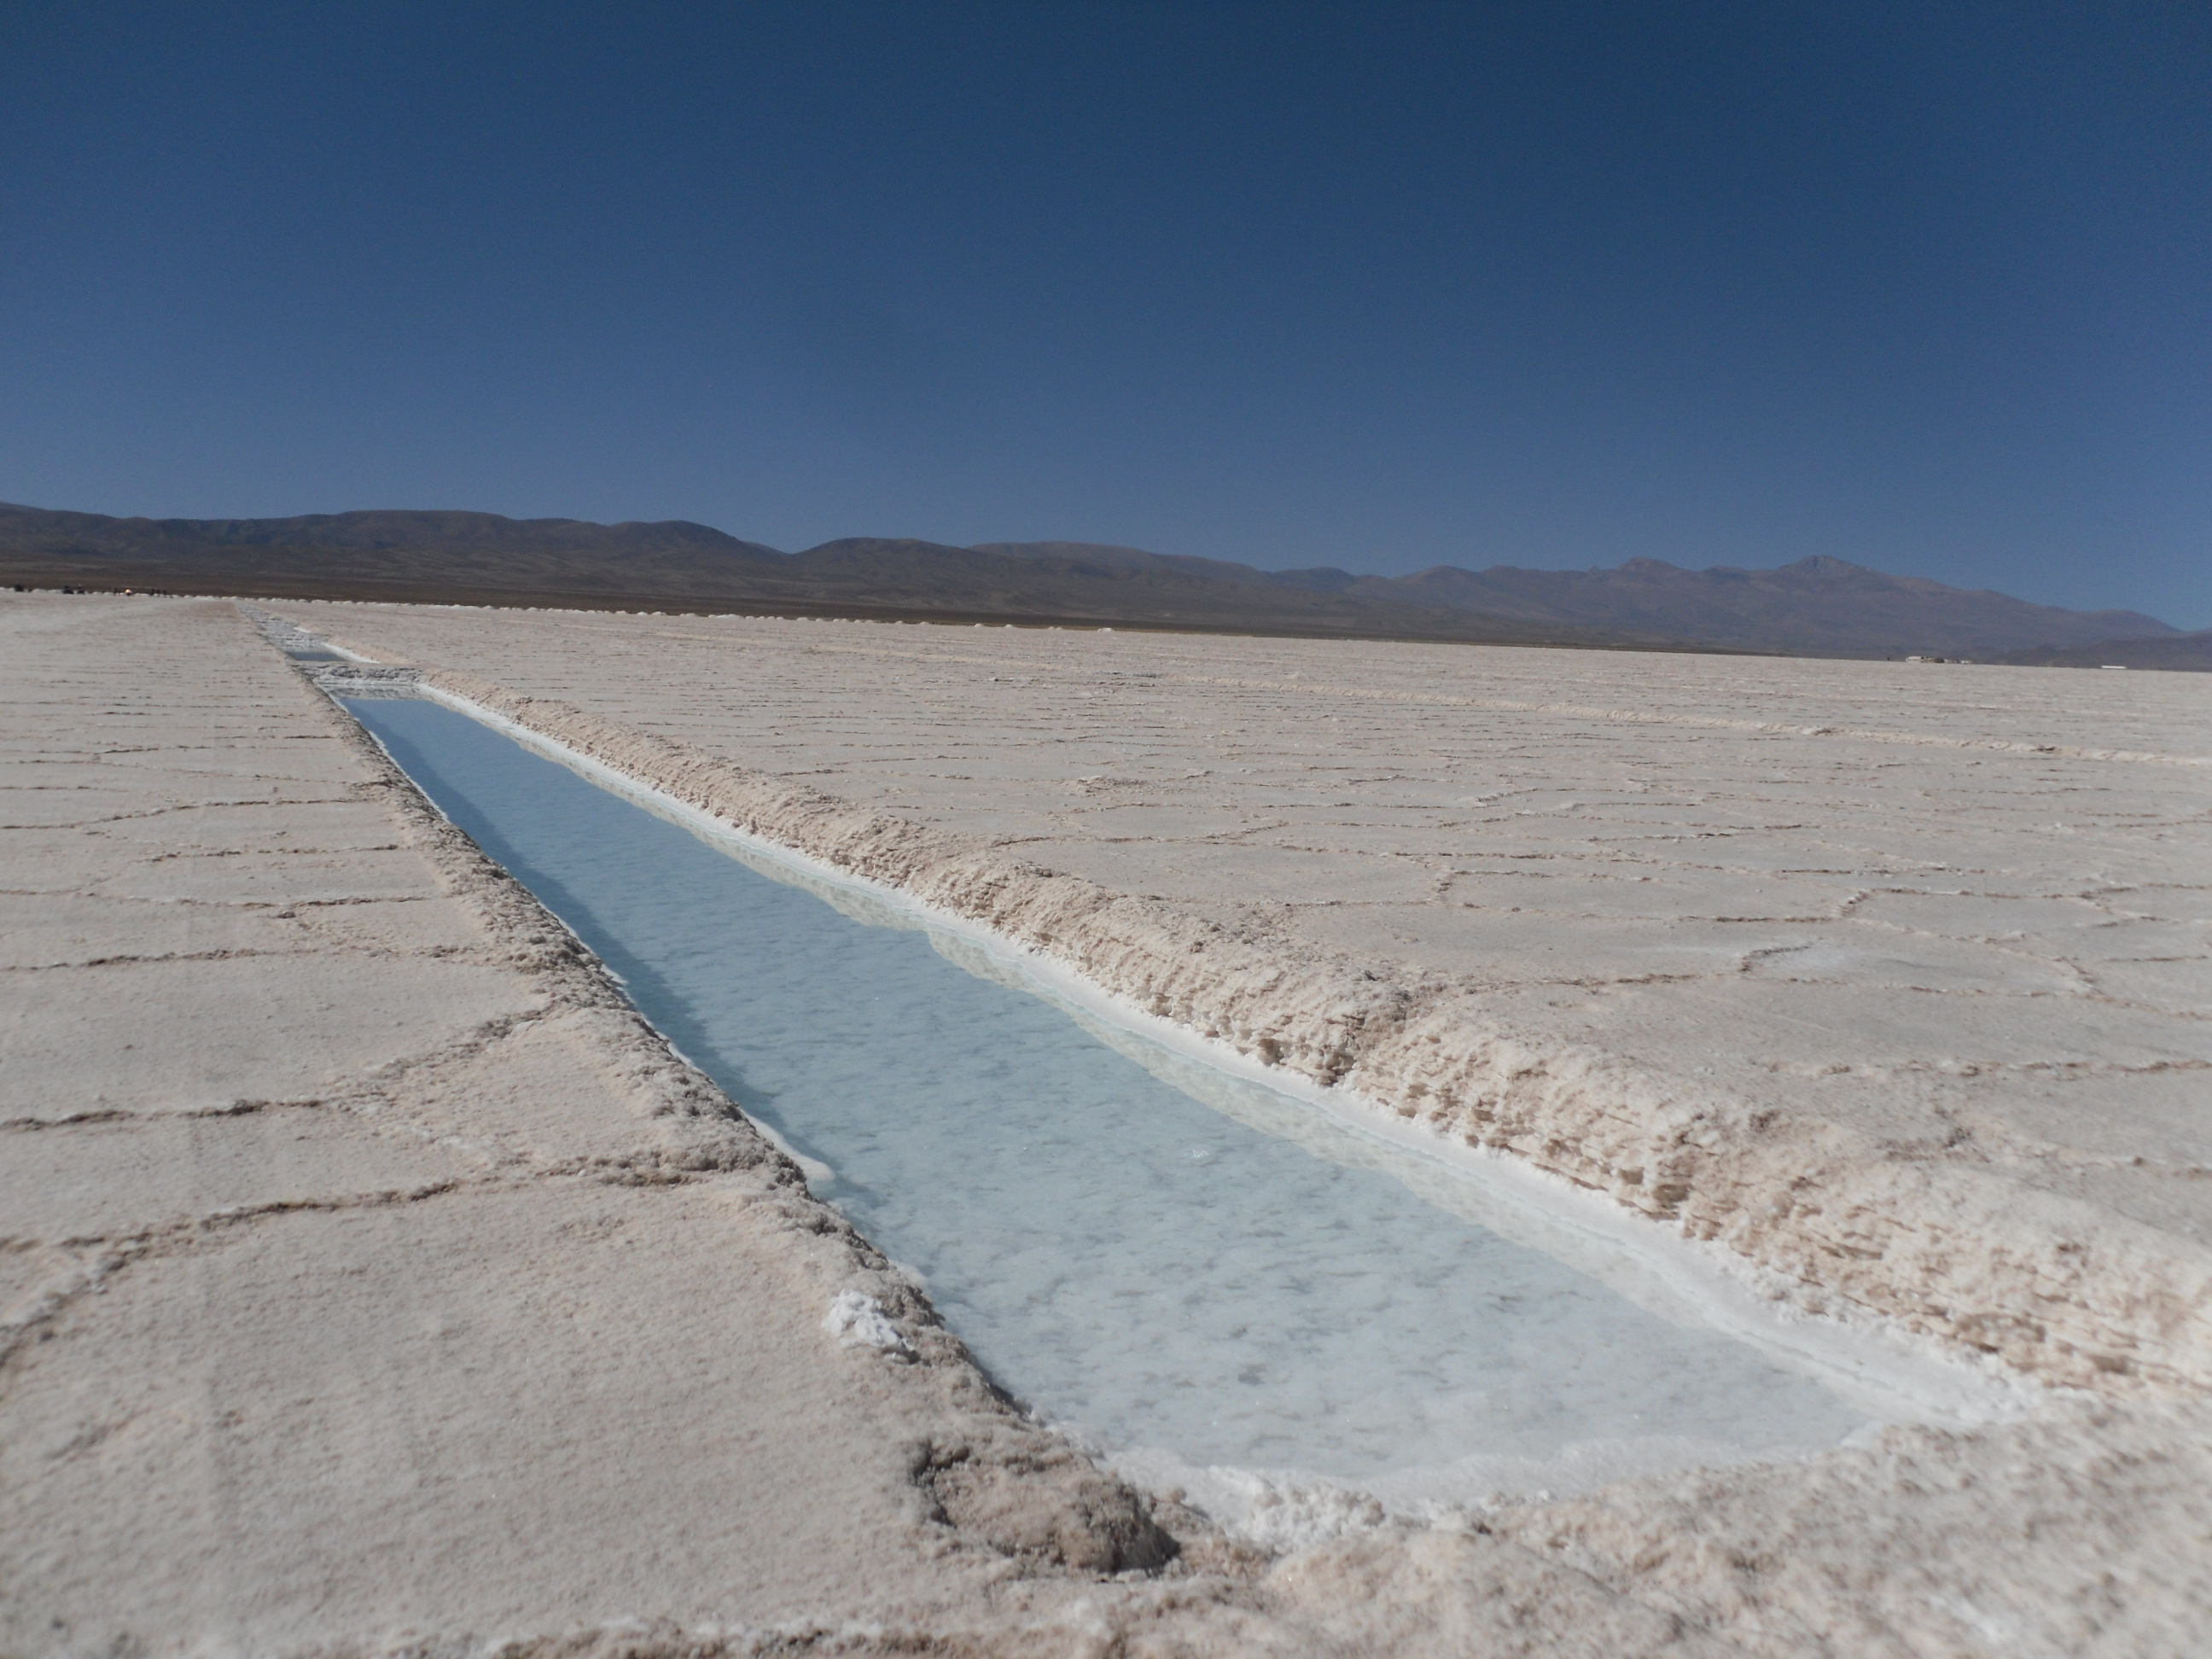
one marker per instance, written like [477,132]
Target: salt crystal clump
[859,1320]
[1283,1519]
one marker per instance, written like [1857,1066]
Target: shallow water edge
[1688,1284]
[1900,1376]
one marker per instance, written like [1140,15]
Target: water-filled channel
[1177,1264]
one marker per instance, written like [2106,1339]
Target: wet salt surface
[1183,1268]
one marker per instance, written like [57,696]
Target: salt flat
[376,1282]
[1895,978]
[373,1273]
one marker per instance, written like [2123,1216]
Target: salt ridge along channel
[1207,1280]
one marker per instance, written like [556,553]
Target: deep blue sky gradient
[1926,288]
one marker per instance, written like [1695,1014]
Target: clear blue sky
[1926,287]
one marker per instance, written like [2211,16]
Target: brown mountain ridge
[1817,606]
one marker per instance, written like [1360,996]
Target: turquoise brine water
[1154,1272]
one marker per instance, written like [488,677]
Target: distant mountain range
[1817,606]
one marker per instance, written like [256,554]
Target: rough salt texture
[370,1265]
[1893,978]
[375,1283]
[2089,1532]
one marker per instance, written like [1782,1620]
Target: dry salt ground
[1893,977]
[377,1281]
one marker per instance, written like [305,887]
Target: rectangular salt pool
[1184,1269]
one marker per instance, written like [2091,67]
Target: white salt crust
[192,1468]
[1586,1431]
[1873,1362]
[2065,1291]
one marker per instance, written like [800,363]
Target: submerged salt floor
[1160,1276]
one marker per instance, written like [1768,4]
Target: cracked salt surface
[1211,1283]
